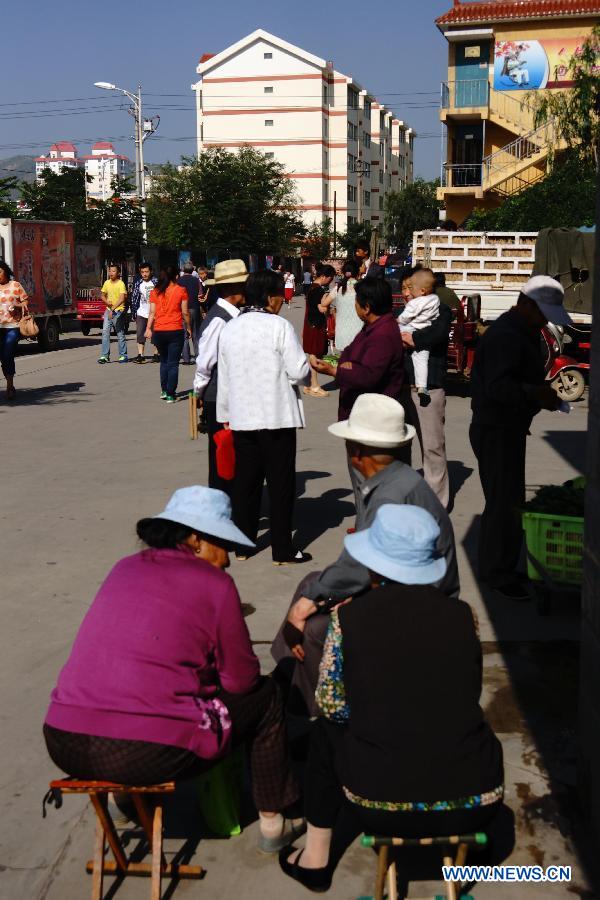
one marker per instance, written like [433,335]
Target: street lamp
[143,129]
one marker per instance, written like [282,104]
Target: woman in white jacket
[261,365]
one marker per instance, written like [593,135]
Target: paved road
[88,450]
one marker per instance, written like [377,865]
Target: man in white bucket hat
[229,283]
[374,433]
[508,389]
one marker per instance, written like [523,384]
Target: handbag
[225,454]
[27,324]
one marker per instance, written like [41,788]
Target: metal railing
[514,110]
[458,175]
[468,93]
[508,161]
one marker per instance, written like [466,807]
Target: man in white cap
[229,281]
[375,433]
[508,389]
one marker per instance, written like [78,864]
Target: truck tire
[569,385]
[85,328]
[49,335]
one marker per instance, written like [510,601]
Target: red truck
[42,257]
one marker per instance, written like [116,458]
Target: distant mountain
[21,167]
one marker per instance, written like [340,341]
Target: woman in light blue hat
[162,680]
[402,748]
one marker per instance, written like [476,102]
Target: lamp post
[143,129]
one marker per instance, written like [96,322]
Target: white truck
[42,257]
[494,264]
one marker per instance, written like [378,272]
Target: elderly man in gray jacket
[374,434]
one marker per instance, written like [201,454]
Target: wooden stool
[105,831]
[384,867]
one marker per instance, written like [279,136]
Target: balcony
[465,97]
[461,178]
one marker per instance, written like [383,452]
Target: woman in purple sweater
[162,680]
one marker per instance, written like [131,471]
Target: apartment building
[339,145]
[62,155]
[102,166]
[498,53]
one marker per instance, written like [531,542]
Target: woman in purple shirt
[162,680]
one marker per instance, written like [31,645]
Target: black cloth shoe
[299,557]
[513,590]
[156,358]
[424,398]
[316,880]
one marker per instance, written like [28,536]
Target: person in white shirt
[290,286]
[140,307]
[229,282]
[420,312]
[261,365]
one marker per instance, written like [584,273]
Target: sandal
[316,392]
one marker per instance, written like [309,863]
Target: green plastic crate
[556,543]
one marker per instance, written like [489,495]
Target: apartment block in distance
[341,147]
[61,157]
[498,53]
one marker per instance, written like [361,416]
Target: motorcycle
[565,373]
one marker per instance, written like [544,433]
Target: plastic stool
[220,794]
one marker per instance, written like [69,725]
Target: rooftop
[64,147]
[506,10]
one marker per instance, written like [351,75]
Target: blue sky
[55,54]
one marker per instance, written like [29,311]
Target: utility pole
[334,224]
[143,129]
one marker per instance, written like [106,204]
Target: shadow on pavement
[315,515]
[532,688]
[303,477]
[49,394]
[571,445]
[458,474]
[67,342]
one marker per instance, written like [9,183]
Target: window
[352,99]
[402,136]
[367,108]
[367,198]
[351,193]
[326,127]
[366,139]
[381,148]
[367,170]
[326,192]
[268,122]
[325,95]
[352,131]
[351,220]
[325,159]
[351,163]
[411,142]
[381,203]
[267,56]
[269,156]
[268,90]
[380,176]
[389,180]
[381,121]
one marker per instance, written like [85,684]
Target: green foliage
[8,206]
[318,241]
[356,231]
[412,209]
[235,202]
[63,198]
[565,198]
[577,110]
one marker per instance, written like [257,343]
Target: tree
[319,240]
[233,202]
[412,209]
[62,197]
[8,207]
[565,198]
[576,111]
[355,231]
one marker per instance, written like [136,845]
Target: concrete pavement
[87,450]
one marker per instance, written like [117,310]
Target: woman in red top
[168,306]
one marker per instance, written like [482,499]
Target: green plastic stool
[220,794]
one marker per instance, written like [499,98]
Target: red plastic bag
[225,454]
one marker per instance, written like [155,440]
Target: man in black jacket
[508,389]
[430,420]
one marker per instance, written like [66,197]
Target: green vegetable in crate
[559,500]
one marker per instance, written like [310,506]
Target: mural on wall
[526,64]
